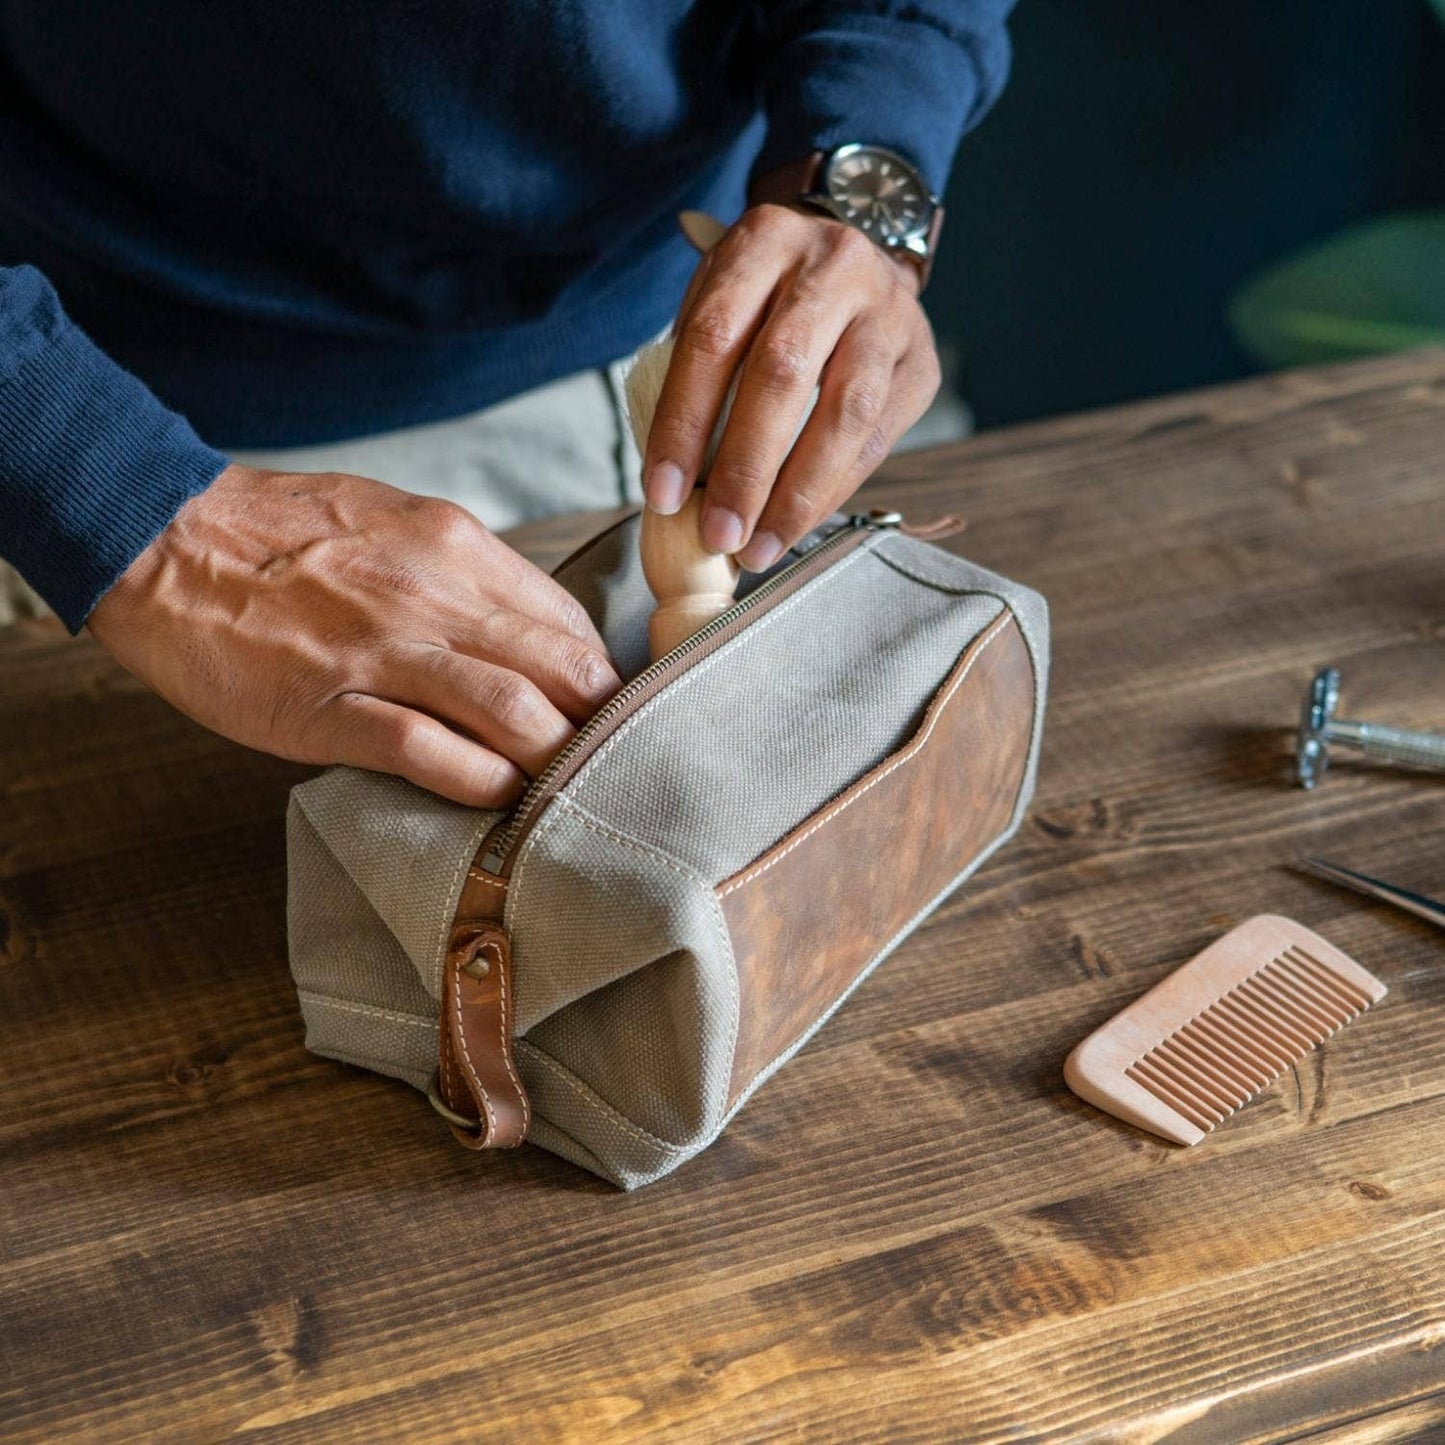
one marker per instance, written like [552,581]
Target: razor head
[1312,751]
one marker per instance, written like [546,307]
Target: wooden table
[206,1230]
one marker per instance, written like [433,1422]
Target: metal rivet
[479,967]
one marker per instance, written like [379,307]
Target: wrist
[783,185]
[788,185]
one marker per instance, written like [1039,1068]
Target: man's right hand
[332,619]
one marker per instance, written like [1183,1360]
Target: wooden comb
[1204,1041]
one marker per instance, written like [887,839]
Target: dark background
[1145,159]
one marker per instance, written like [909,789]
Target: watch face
[879,192]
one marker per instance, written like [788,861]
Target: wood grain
[914,1232]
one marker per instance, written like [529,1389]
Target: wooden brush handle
[691,584]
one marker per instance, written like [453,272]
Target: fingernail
[722,530]
[666,487]
[762,551]
[600,681]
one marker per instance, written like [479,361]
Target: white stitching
[766,1072]
[439,959]
[748,633]
[367,1010]
[590,820]
[715,913]
[461,1035]
[598,1103]
[958,585]
[446,1058]
[911,751]
[720,923]
[482,878]
[564,806]
[504,1030]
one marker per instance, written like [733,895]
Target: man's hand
[332,619]
[788,300]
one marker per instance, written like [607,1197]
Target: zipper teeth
[544,780]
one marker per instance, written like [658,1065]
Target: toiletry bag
[694,884]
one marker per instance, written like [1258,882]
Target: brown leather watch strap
[477,1077]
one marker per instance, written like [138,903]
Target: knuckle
[712,331]
[585,673]
[449,525]
[573,615]
[932,373]
[860,403]
[805,505]
[735,478]
[874,450]
[390,741]
[781,363]
[759,220]
[402,736]
[924,363]
[851,245]
[497,784]
[511,701]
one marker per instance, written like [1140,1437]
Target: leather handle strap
[477,1079]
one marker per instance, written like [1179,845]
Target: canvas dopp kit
[720,855]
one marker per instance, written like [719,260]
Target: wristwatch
[881,194]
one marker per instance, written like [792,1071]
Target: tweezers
[1427,908]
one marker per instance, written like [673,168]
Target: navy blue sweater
[268,222]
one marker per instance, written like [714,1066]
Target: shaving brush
[691,584]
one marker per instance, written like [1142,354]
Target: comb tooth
[1205,1091]
[1275,1018]
[1326,1013]
[1221,1020]
[1322,979]
[1336,1001]
[1168,1088]
[1244,1019]
[1308,1018]
[1208,1062]
[1241,1061]
[1168,1093]
[1209,1058]
[1207,1099]
[1319,1022]
[1331,981]
[1342,1002]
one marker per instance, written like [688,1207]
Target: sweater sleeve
[92,465]
[910,76]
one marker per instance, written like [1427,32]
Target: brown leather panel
[808,915]
[477,1077]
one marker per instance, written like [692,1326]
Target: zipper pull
[882,519]
[878,519]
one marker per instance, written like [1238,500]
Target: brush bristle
[643,385]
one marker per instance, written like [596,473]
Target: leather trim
[477,1076]
[808,916]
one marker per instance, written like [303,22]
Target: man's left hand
[788,300]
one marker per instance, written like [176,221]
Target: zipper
[500,845]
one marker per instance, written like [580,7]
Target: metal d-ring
[434,1098]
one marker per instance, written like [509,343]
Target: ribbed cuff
[904,78]
[92,465]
